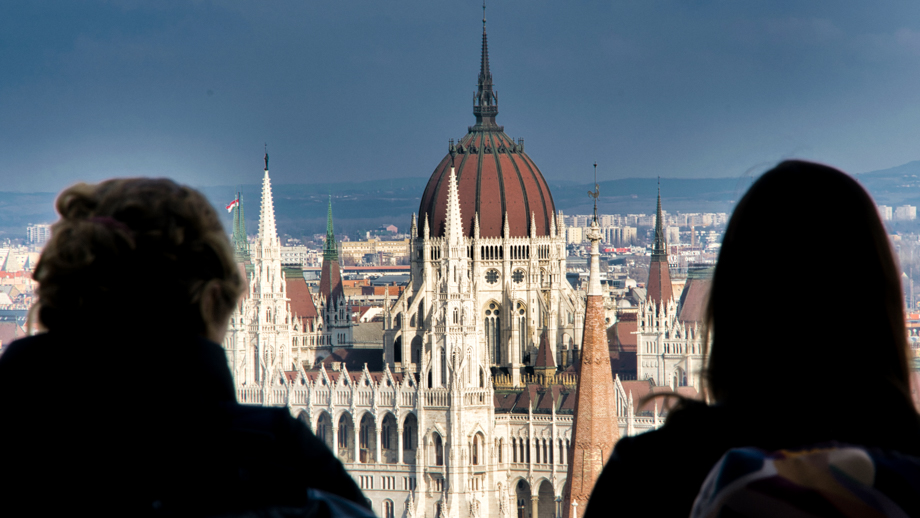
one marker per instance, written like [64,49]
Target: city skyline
[358,90]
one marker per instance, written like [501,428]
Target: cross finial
[266,156]
[483,14]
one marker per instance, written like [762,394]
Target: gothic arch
[323,429]
[415,350]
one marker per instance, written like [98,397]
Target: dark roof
[620,336]
[539,397]
[355,359]
[544,356]
[330,281]
[695,296]
[659,281]
[301,300]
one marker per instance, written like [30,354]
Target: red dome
[494,176]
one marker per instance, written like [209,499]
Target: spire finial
[266,156]
[485,103]
[595,193]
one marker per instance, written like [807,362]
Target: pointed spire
[485,104]
[413,227]
[330,252]
[476,226]
[268,233]
[426,232]
[596,428]
[454,231]
[506,231]
[552,225]
[533,225]
[660,242]
[658,287]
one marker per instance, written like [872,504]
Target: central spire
[485,102]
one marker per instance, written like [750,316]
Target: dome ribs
[517,171]
[541,186]
[430,199]
[508,182]
[498,170]
[492,207]
[465,183]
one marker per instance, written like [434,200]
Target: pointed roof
[545,358]
[659,287]
[330,281]
[330,251]
[692,304]
[268,232]
[595,428]
[485,105]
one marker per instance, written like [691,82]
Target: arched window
[438,450]
[493,331]
[388,509]
[343,434]
[456,316]
[522,328]
[397,350]
[477,445]
[514,452]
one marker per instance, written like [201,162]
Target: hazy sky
[346,90]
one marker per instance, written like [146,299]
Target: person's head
[145,256]
[806,304]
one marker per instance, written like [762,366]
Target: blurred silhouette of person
[124,404]
[808,344]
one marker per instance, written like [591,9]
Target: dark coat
[147,426]
[659,473]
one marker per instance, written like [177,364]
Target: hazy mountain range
[301,208]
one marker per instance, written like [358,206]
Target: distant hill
[301,208]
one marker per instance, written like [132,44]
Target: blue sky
[351,90]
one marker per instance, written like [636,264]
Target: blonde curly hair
[137,254]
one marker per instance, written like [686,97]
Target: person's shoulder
[693,421]
[27,350]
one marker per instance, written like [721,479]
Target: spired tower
[659,274]
[487,280]
[595,430]
[260,332]
[336,313]
[240,240]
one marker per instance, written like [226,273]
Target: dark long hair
[806,306]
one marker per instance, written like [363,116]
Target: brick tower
[595,430]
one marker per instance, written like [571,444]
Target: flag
[233,203]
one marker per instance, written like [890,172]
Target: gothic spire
[268,233]
[659,287]
[595,429]
[454,231]
[660,247]
[330,252]
[485,103]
